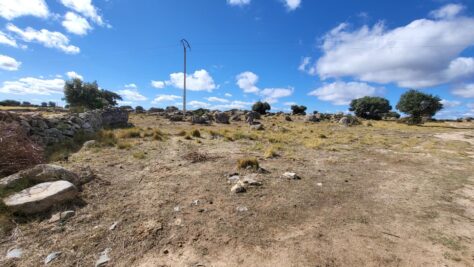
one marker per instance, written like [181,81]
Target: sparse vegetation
[139,155]
[196,133]
[248,163]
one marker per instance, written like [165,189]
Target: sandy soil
[403,197]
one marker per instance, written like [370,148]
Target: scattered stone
[103,258]
[238,188]
[114,225]
[14,253]
[234,179]
[344,121]
[89,144]
[177,209]
[178,222]
[319,184]
[41,197]
[51,257]
[221,117]
[200,120]
[250,180]
[195,202]
[256,127]
[62,216]
[291,175]
[242,209]
[312,118]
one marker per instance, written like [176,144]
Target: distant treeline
[14,103]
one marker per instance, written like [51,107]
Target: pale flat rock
[51,257]
[41,197]
[40,174]
[14,253]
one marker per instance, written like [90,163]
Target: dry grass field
[377,194]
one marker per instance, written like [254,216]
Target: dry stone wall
[58,128]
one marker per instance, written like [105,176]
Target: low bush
[124,145]
[196,133]
[245,163]
[270,153]
[139,155]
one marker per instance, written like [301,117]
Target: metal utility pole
[186,45]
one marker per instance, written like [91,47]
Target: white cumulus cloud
[158,84]
[341,93]
[35,86]
[47,38]
[447,11]
[450,103]
[9,63]
[238,2]
[292,4]
[76,24]
[200,80]
[7,40]
[247,81]
[228,95]
[198,104]
[86,8]
[466,91]
[421,54]
[164,98]
[131,93]
[272,94]
[74,75]
[10,9]
[217,99]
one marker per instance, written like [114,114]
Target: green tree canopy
[298,109]
[370,107]
[88,95]
[418,104]
[261,107]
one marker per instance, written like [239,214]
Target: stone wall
[56,128]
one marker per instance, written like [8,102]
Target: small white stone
[242,209]
[14,253]
[103,258]
[319,184]
[113,226]
[51,257]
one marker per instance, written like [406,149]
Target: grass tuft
[245,163]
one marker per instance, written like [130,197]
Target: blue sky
[320,54]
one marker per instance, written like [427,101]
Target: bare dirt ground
[381,195]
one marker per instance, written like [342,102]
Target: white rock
[291,175]
[177,209]
[61,216]
[238,188]
[113,226]
[51,257]
[41,197]
[319,184]
[251,180]
[103,258]
[14,253]
[242,209]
